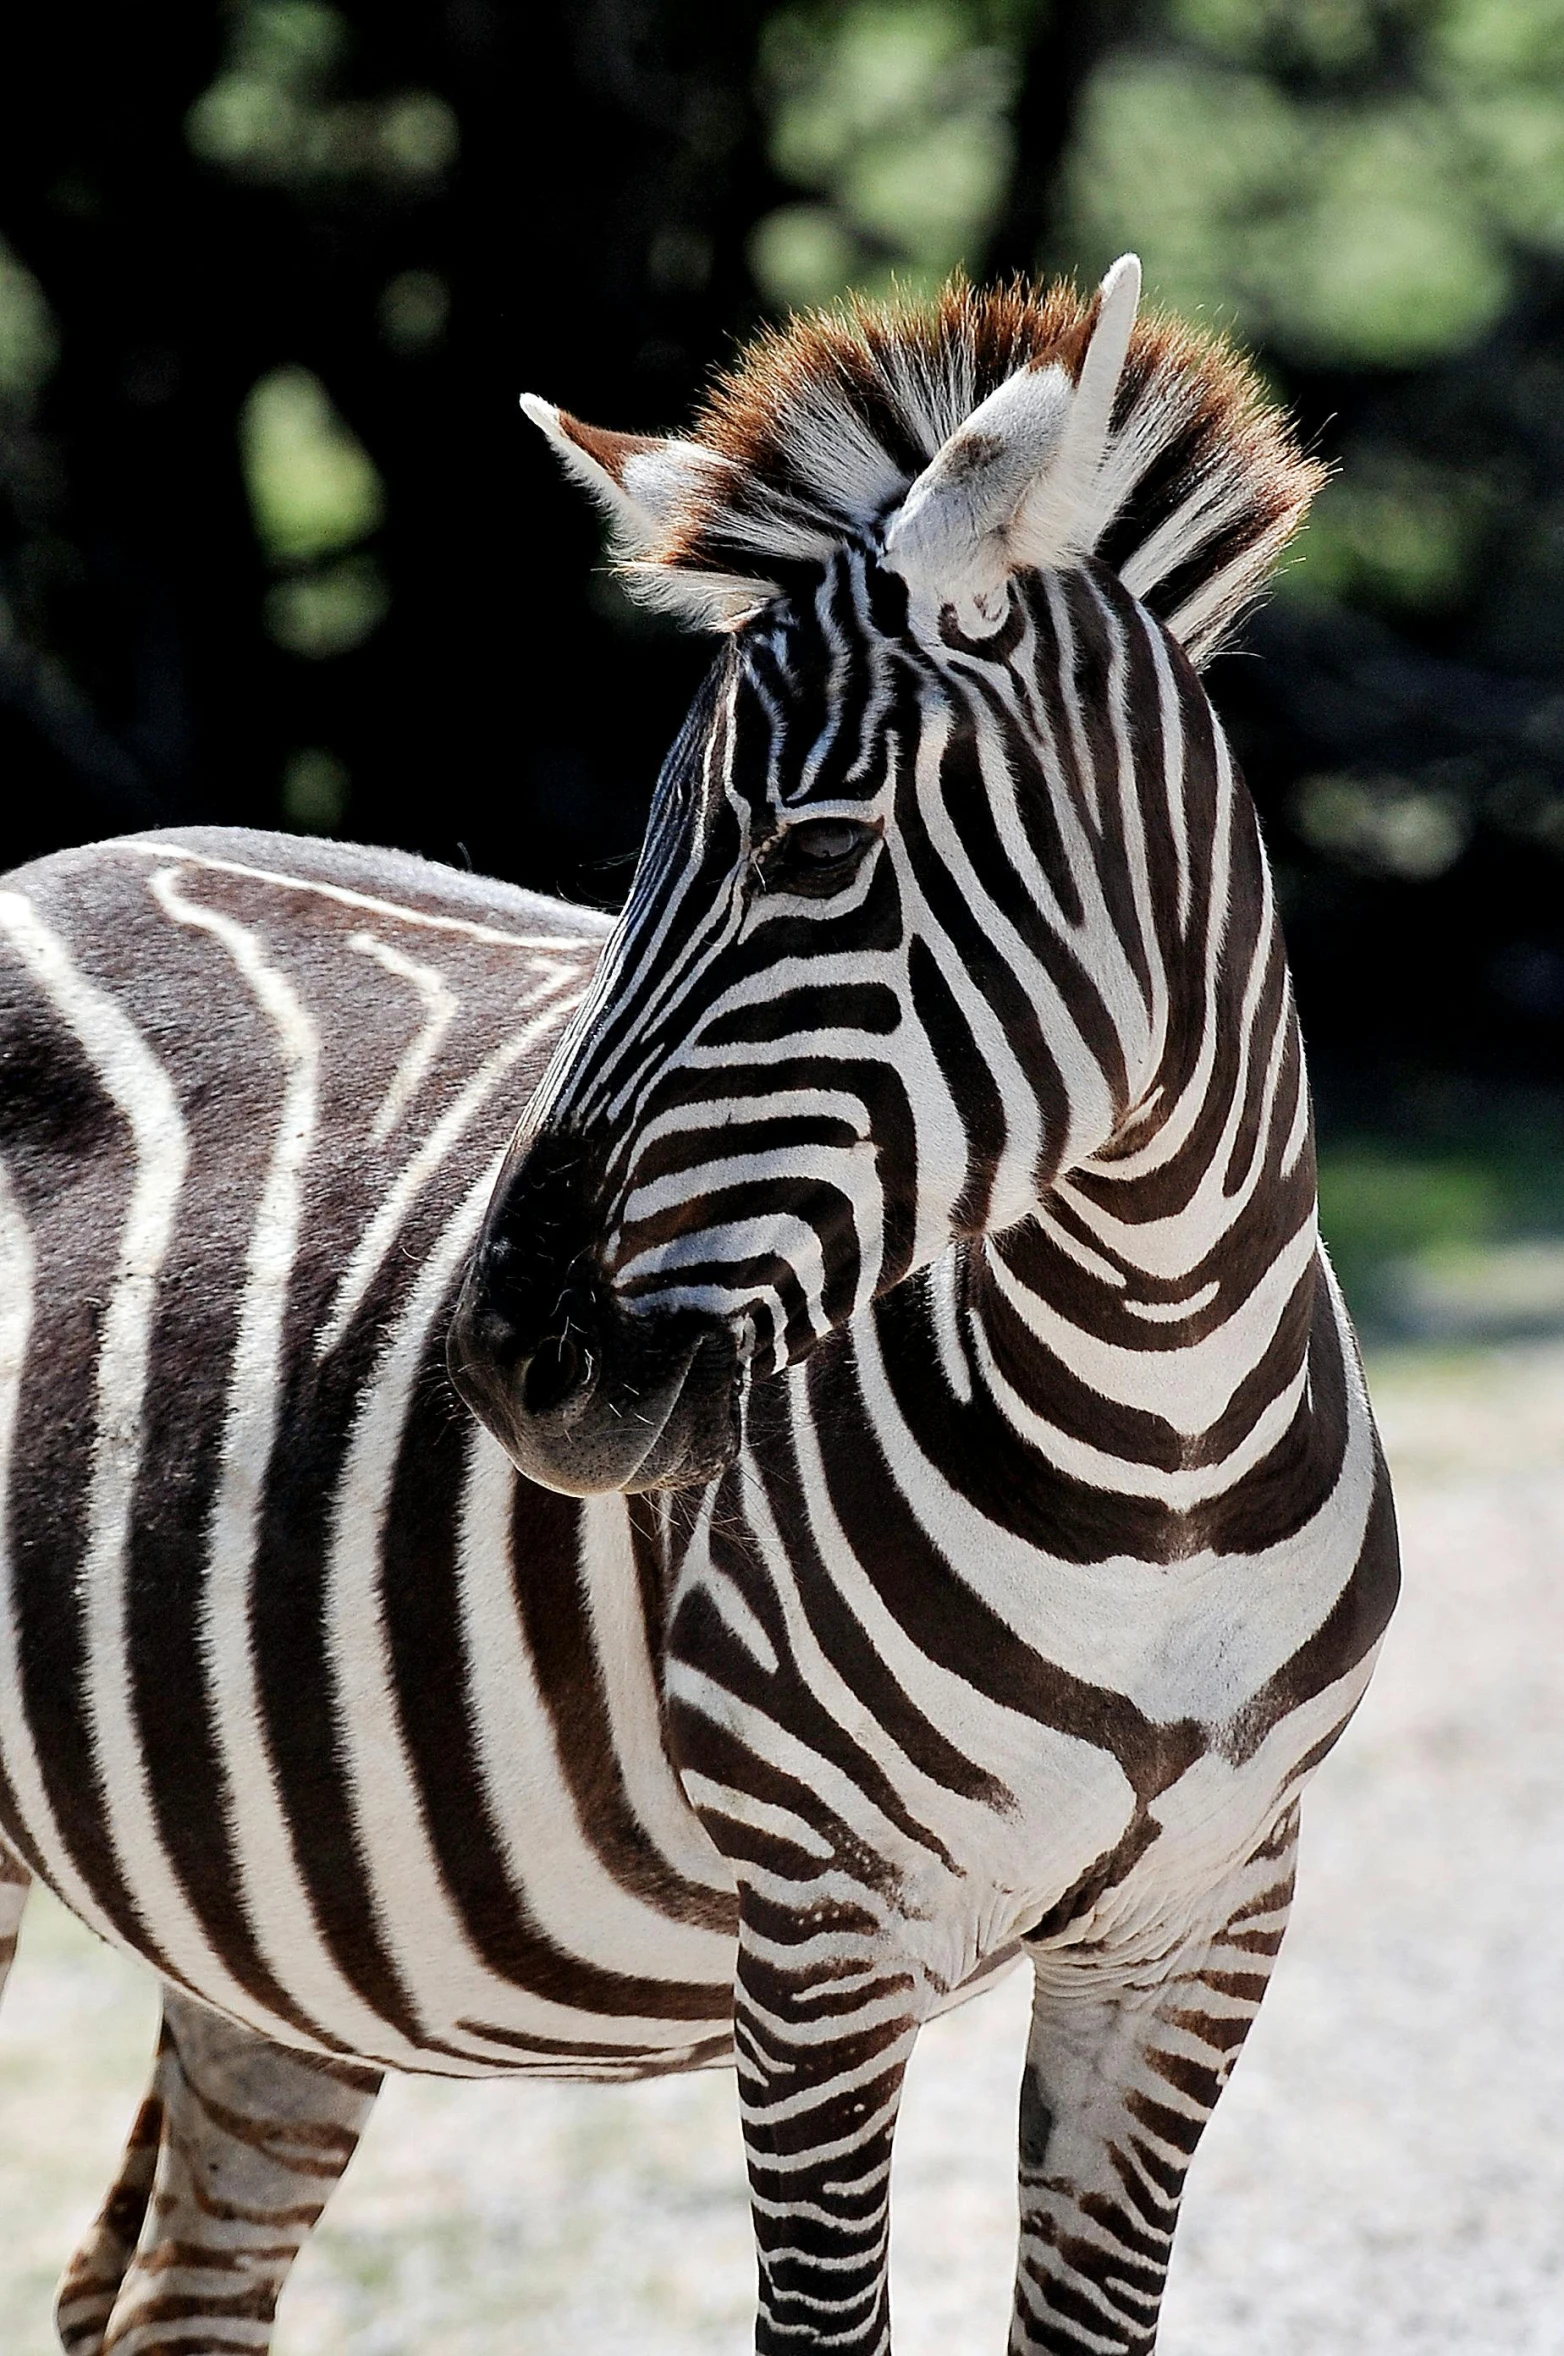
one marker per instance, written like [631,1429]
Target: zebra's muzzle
[603,1399]
[583,1393]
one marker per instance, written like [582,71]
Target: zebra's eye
[816,856]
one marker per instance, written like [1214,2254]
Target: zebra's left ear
[646,488]
[1013,486]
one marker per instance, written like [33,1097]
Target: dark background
[277,548]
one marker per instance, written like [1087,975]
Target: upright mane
[814,438]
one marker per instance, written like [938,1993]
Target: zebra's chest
[988,1735]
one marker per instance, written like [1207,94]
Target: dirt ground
[1386,2173]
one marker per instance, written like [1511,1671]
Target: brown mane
[823,423]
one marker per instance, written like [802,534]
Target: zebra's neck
[1164,1291]
[1165,1317]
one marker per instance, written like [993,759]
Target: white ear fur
[643,484]
[706,601]
[1014,485]
[949,534]
[1059,516]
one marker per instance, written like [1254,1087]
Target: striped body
[954,1525]
[243,1504]
[353,1733]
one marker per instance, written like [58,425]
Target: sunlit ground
[1386,2173]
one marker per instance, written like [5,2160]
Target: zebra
[919,1509]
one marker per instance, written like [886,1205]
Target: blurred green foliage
[313,489]
[1344,181]
[316,497]
[1400,534]
[1331,228]
[272,114]
[29,345]
[1382,826]
[1378,1202]
[316,791]
[1452,1229]
[894,116]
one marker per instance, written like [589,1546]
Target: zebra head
[884,968]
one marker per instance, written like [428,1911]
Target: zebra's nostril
[557,1368]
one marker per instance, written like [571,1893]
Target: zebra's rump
[303,1695]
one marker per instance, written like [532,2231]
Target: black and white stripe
[963,1529]
[243,1504]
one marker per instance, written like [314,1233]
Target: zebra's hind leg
[232,2158]
[15,1882]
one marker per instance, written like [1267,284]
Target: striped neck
[1147,1328]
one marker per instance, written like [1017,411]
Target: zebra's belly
[439,1832]
[557,1967]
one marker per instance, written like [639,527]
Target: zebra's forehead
[818,679]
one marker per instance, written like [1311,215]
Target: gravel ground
[1384,2175]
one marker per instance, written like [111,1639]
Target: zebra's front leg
[1126,2058]
[231,2160]
[823,2027]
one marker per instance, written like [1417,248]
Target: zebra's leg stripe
[92,2281]
[820,2078]
[232,2159]
[1126,2059]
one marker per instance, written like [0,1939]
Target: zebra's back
[303,1695]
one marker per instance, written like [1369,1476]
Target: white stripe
[383,1229]
[276,1902]
[142,1094]
[613,1590]
[1172,1312]
[440,1003]
[180,854]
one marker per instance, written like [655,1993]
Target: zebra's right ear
[1016,485]
[647,487]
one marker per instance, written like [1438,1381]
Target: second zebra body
[949,1522]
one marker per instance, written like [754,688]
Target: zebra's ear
[639,481]
[1013,486]
[646,488]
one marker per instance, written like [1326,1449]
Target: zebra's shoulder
[197,965]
